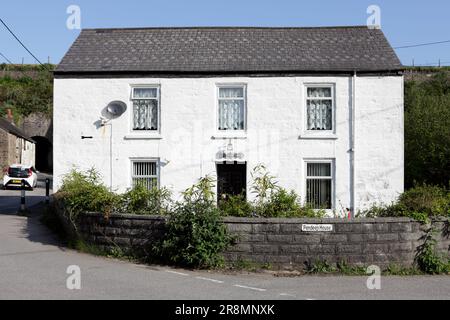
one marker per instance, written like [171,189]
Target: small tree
[196,235]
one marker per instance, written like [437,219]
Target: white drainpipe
[352,150]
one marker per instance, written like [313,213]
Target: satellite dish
[116,108]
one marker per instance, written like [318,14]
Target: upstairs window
[145,173]
[232,108]
[319,185]
[319,108]
[145,109]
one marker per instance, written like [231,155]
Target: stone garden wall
[285,243]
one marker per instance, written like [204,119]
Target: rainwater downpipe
[353,209]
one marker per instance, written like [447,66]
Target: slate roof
[12,129]
[230,50]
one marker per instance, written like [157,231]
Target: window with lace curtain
[319,108]
[145,109]
[319,184]
[232,108]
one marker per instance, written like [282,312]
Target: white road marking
[208,279]
[250,288]
[287,295]
[178,273]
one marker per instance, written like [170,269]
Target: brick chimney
[9,115]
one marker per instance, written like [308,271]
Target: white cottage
[322,108]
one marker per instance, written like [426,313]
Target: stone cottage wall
[4,145]
[9,154]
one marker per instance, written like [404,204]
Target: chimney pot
[10,115]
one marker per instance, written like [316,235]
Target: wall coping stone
[126,216]
[275,220]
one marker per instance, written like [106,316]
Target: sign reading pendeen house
[317,227]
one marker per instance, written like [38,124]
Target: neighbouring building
[15,146]
[321,108]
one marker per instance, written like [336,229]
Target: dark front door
[232,180]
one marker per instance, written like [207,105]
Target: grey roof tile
[230,49]
[11,128]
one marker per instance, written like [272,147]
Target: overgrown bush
[85,192]
[271,200]
[428,258]
[286,204]
[236,206]
[142,201]
[421,203]
[427,199]
[196,235]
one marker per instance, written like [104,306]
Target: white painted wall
[28,153]
[276,118]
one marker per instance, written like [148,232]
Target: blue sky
[41,25]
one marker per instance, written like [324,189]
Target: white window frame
[332,162]
[132,99]
[230,132]
[319,133]
[147,160]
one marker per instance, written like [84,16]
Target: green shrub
[142,201]
[84,192]
[288,205]
[280,204]
[264,185]
[273,201]
[420,203]
[196,235]
[236,206]
[429,200]
[428,259]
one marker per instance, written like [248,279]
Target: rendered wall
[188,143]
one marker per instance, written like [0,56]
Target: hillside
[26,89]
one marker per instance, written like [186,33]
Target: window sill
[226,136]
[143,137]
[322,136]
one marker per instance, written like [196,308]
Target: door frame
[232,163]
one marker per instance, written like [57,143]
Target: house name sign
[317,228]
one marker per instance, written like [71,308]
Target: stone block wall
[126,231]
[281,242]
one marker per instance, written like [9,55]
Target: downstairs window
[319,185]
[145,173]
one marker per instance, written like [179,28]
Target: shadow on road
[33,230]
[10,203]
[36,231]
